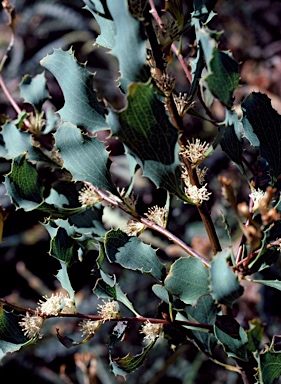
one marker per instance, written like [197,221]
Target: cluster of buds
[158,215]
[137,7]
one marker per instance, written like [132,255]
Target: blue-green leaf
[133,254]
[81,106]
[34,91]
[84,156]
[220,273]
[100,11]
[187,279]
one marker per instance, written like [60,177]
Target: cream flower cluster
[150,330]
[56,304]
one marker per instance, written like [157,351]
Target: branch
[140,319]
[105,197]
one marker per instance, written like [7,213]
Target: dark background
[252,32]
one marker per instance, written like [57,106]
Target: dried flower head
[166,83]
[31,325]
[197,195]
[256,195]
[157,215]
[134,227]
[195,151]
[151,331]
[130,201]
[56,304]
[137,7]
[89,327]
[109,310]
[88,197]
[183,103]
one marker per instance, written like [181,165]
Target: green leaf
[187,279]
[63,278]
[84,156]
[89,221]
[266,257]
[133,254]
[81,106]
[23,184]
[34,91]
[107,288]
[231,141]
[224,77]
[62,246]
[266,124]
[204,312]
[11,335]
[269,283]
[220,273]
[269,363]
[100,11]
[232,336]
[124,365]
[146,130]
[223,70]
[130,37]
[255,334]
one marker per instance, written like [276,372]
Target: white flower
[134,227]
[157,215]
[256,195]
[109,310]
[89,327]
[197,195]
[195,152]
[57,304]
[183,103]
[31,325]
[151,331]
[88,197]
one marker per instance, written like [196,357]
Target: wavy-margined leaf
[107,288]
[204,312]
[269,367]
[266,124]
[18,143]
[146,130]
[63,278]
[100,11]
[223,70]
[23,184]
[220,273]
[266,256]
[232,336]
[231,141]
[11,335]
[127,364]
[84,156]
[129,38]
[34,91]
[133,254]
[187,279]
[81,106]
[62,246]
